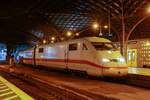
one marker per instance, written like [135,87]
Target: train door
[73,56]
[132,58]
[86,55]
[66,56]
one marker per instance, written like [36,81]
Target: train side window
[129,56]
[73,46]
[28,54]
[84,47]
[133,55]
[41,50]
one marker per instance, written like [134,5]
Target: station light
[53,38]
[62,38]
[148,10]
[44,41]
[106,26]
[69,33]
[77,34]
[52,41]
[95,25]
[100,34]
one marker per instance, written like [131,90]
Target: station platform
[139,71]
[8,91]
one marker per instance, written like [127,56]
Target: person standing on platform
[12,63]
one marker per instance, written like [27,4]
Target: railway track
[28,87]
[42,90]
[138,80]
[131,79]
[65,92]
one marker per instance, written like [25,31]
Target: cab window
[41,50]
[28,54]
[73,47]
[104,46]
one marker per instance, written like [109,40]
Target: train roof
[97,39]
[91,39]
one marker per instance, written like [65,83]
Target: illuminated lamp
[44,41]
[69,33]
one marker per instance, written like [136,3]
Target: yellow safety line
[6,93]
[16,90]
[3,87]
[10,98]
[4,90]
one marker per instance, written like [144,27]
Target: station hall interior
[74,49]
[24,24]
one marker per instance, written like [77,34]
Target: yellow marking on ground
[15,90]
[4,90]
[10,98]
[6,93]
[1,87]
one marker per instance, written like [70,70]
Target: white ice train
[93,55]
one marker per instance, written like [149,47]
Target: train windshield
[104,46]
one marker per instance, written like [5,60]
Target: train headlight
[121,59]
[105,60]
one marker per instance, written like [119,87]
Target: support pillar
[9,51]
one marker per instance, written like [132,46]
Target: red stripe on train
[76,61]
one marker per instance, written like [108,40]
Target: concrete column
[9,51]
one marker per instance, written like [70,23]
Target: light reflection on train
[93,55]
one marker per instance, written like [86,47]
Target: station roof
[34,20]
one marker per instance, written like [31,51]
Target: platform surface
[8,91]
[139,71]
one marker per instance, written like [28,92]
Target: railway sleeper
[57,91]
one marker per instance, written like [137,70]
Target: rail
[138,80]
[56,91]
